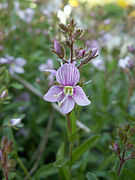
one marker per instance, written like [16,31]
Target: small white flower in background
[45,68]
[65,14]
[15,64]
[126,62]
[98,63]
[3,94]
[15,121]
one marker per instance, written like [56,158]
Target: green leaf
[91,176]
[78,152]
[73,122]
[45,171]
[130,118]
[17,85]
[127,174]
[60,162]
[73,136]
[60,152]
[12,175]
[113,175]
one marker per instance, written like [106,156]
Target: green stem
[71,144]
[23,168]
[17,157]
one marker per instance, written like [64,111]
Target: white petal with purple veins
[80,97]
[54,94]
[67,105]
[68,75]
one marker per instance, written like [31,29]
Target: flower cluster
[15,64]
[67,91]
[124,148]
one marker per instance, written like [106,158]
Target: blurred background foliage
[27,29]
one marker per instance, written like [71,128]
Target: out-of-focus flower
[98,63]
[15,64]
[46,67]
[3,5]
[65,14]
[131,49]
[67,93]
[126,62]
[74,3]
[26,15]
[51,7]
[15,121]
[110,41]
[1,48]
[3,94]
[122,3]
[107,21]
[23,97]
[38,31]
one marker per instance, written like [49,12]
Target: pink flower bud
[115,146]
[80,53]
[59,49]
[131,49]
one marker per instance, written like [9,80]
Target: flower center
[68,90]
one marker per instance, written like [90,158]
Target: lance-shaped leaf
[78,152]
[91,176]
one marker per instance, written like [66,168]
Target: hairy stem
[71,144]
[71,38]
[5,173]
[122,160]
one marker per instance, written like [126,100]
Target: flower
[26,15]
[98,63]
[65,14]
[16,64]
[15,121]
[47,67]
[127,62]
[67,93]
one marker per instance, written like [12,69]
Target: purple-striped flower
[67,93]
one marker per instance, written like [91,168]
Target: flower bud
[63,27]
[9,146]
[0,155]
[129,146]
[68,43]
[115,146]
[4,142]
[131,49]
[92,54]
[71,24]
[59,49]
[80,53]
[77,34]
[126,127]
